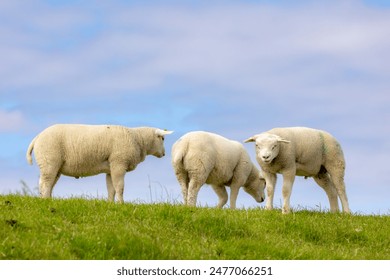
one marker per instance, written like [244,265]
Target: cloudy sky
[235,68]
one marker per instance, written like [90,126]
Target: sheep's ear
[281,140]
[161,132]
[251,139]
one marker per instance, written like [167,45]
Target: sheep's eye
[273,147]
[163,138]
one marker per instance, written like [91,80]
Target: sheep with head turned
[301,151]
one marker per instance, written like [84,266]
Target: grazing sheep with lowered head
[86,150]
[201,157]
[300,151]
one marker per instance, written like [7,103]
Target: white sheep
[87,150]
[202,157]
[300,151]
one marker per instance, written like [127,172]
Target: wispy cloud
[249,47]
[11,121]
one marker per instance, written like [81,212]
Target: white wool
[301,151]
[87,150]
[200,158]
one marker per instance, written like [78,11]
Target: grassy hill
[33,228]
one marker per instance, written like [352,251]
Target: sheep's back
[310,148]
[212,153]
[76,147]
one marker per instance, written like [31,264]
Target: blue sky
[233,68]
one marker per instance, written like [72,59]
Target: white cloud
[254,46]
[248,47]
[11,121]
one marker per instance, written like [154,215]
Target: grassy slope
[33,228]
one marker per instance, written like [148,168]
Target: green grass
[34,228]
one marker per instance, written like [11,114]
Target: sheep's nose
[260,200]
[266,157]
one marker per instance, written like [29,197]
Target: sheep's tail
[178,156]
[29,151]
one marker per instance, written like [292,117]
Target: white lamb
[201,157]
[86,150]
[300,151]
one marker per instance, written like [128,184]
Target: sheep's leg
[270,181]
[324,181]
[288,181]
[193,190]
[184,192]
[118,181]
[233,195]
[196,180]
[56,180]
[47,180]
[337,176]
[182,177]
[110,188]
[220,190]
[340,187]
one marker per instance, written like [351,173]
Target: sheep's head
[158,148]
[267,146]
[255,187]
